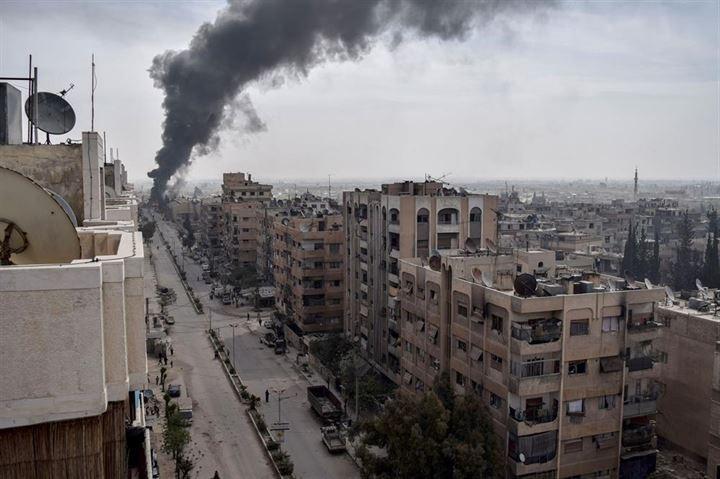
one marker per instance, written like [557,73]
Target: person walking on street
[267,396]
[172,351]
[157,380]
[248,316]
[171,364]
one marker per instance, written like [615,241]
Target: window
[576,407]
[496,362]
[610,325]
[459,379]
[606,402]
[495,401]
[335,247]
[433,296]
[497,323]
[579,327]
[573,445]
[462,345]
[577,367]
[462,310]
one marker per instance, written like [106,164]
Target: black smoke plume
[258,39]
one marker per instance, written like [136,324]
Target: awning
[475,353]
[420,326]
[432,331]
[407,378]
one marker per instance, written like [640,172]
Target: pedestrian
[172,351]
[171,364]
[248,316]
[267,396]
[157,380]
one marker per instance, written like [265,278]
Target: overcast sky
[590,89]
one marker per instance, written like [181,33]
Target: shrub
[272,445]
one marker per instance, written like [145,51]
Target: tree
[331,351]
[630,254]
[188,238]
[642,259]
[147,228]
[711,266]
[654,264]
[436,435]
[686,267]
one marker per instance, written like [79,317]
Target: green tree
[642,259]
[331,351]
[434,435]
[188,238]
[686,267]
[711,265]
[654,264]
[629,260]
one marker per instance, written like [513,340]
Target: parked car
[174,390]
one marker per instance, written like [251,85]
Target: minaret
[635,190]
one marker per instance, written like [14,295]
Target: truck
[333,439]
[324,402]
[185,409]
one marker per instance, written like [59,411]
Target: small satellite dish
[487,279]
[34,227]
[470,245]
[521,456]
[55,115]
[477,276]
[304,227]
[434,260]
[648,284]
[285,221]
[491,245]
[525,285]
[669,293]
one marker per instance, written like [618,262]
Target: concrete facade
[403,220]
[570,379]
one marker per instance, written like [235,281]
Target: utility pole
[233,326]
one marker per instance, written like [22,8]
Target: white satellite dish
[669,293]
[34,227]
[648,284]
[611,287]
[521,456]
[491,245]
[487,279]
[470,246]
[304,227]
[702,289]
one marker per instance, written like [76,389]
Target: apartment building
[570,373]
[242,200]
[690,403]
[210,230]
[402,220]
[308,270]
[72,329]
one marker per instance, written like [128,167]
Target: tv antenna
[66,90]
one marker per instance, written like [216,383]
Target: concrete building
[403,220]
[72,334]
[308,271]
[210,229]
[242,200]
[569,374]
[690,403]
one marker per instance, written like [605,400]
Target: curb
[183,282]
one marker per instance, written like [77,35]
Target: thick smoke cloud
[255,39]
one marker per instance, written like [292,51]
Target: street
[222,437]
[260,369]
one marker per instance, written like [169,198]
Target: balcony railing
[537,334]
[643,327]
[640,405]
[639,438]
[531,369]
[533,416]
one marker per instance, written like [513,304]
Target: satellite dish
[491,245]
[55,115]
[285,221]
[434,260]
[669,293]
[470,245]
[487,279]
[611,286]
[477,276]
[304,227]
[521,456]
[699,285]
[648,284]
[34,227]
[525,285]
[65,206]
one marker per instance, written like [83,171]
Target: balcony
[638,440]
[532,454]
[536,338]
[641,405]
[393,325]
[534,377]
[640,363]
[532,421]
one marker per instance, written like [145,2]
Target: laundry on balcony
[407,378]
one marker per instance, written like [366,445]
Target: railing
[643,327]
[537,334]
[531,369]
[533,416]
[638,438]
[640,405]
[640,363]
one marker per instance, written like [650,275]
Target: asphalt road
[260,369]
[223,439]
